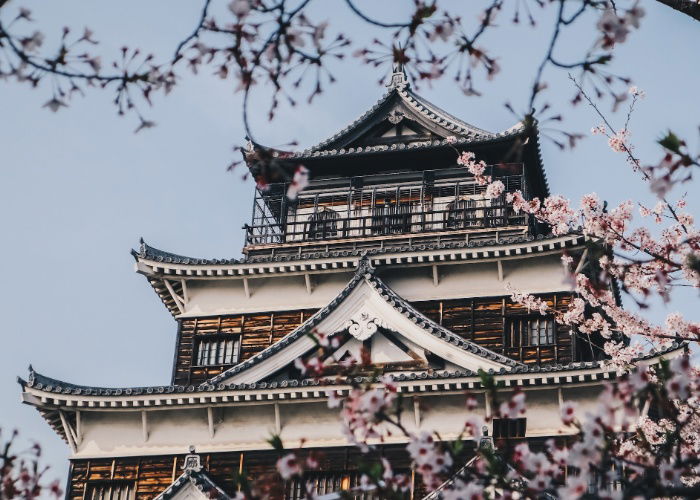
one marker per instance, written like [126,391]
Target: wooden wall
[257,331]
[485,320]
[481,320]
[152,475]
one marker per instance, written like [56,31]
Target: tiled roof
[151,253]
[47,384]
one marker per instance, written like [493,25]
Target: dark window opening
[324,483]
[531,331]
[496,214]
[323,224]
[218,350]
[506,428]
[110,490]
[392,218]
[461,214]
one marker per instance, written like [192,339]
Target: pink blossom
[568,413]
[299,182]
[288,466]
[495,189]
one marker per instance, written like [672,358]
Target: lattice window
[496,214]
[324,483]
[218,350]
[504,428]
[323,224]
[461,214]
[392,218]
[530,331]
[110,490]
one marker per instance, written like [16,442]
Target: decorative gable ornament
[363,325]
[395,116]
[398,78]
[192,462]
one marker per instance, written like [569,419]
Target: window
[496,216]
[461,214]
[219,350]
[531,331]
[110,490]
[391,218]
[505,428]
[324,483]
[323,224]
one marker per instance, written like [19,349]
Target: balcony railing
[380,211]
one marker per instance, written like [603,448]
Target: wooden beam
[416,411]
[307,282]
[210,421]
[278,420]
[68,431]
[78,428]
[246,289]
[487,405]
[500,270]
[560,397]
[185,295]
[436,275]
[176,297]
[144,425]
[581,262]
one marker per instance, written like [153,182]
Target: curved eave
[165,263]
[64,395]
[158,268]
[436,144]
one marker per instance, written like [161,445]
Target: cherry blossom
[289,466]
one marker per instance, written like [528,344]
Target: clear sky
[78,188]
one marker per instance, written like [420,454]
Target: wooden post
[278,422]
[210,421]
[416,411]
[144,425]
[245,287]
[240,470]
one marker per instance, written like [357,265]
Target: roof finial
[399,80]
[193,462]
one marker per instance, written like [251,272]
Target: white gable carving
[364,324]
[361,313]
[189,492]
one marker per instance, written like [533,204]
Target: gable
[401,116]
[367,308]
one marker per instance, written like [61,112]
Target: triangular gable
[193,484]
[363,308]
[400,108]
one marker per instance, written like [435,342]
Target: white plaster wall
[273,293]
[110,433]
[314,419]
[278,293]
[542,413]
[248,427]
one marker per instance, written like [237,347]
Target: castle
[394,250]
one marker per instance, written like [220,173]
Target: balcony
[368,211]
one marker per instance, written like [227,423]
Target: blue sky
[78,188]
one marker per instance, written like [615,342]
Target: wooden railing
[406,209]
